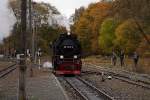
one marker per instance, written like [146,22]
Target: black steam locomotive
[66,57]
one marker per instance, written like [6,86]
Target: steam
[60,20]
[7,19]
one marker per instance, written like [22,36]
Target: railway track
[123,71]
[4,72]
[86,90]
[120,77]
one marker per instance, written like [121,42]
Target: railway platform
[45,87]
[42,86]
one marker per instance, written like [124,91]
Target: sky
[7,19]
[67,7]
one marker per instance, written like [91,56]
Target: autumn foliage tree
[107,35]
[87,27]
[138,10]
[44,33]
[128,37]
[114,24]
[143,48]
[47,34]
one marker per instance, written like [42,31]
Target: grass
[143,64]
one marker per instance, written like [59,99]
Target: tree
[143,48]
[87,26]
[78,13]
[107,35]
[128,37]
[47,34]
[138,10]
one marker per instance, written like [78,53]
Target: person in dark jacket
[135,58]
[122,56]
[114,58]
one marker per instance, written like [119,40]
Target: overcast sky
[7,19]
[67,7]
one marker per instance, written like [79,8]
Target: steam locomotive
[66,57]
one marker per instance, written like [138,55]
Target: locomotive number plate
[68,47]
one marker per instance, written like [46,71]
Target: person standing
[114,58]
[39,54]
[135,59]
[122,56]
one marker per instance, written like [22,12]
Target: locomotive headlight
[61,57]
[75,56]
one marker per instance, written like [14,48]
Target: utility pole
[30,16]
[22,63]
[32,34]
[35,40]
